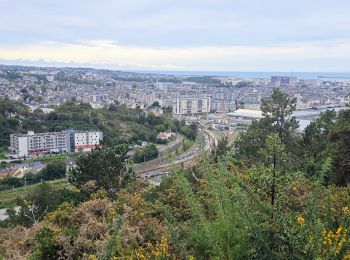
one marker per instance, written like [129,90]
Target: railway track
[186,159]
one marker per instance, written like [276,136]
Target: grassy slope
[8,197]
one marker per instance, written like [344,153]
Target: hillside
[277,194]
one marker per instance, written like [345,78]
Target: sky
[186,35]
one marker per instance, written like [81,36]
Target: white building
[191,105]
[246,113]
[31,144]
[86,141]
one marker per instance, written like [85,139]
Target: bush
[149,152]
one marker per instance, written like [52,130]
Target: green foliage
[326,149]
[147,153]
[42,199]
[244,84]
[54,170]
[155,104]
[34,206]
[107,166]
[173,80]
[339,145]
[203,80]
[263,207]
[212,211]
[190,131]
[218,227]
[12,181]
[221,149]
[10,112]
[46,246]
[118,123]
[277,119]
[277,112]
[12,75]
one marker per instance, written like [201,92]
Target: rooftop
[246,113]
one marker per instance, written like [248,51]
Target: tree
[277,112]
[326,147]
[54,170]
[243,84]
[221,149]
[149,152]
[155,104]
[168,110]
[274,156]
[190,131]
[315,146]
[107,166]
[12,181]
[39,113]
[36,204]
[339,139]
[160,128]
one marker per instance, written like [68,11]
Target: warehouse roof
[247,113]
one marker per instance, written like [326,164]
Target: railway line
[186,159]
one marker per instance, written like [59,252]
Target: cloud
[317,56]
[181,23]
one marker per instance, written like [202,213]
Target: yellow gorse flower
[334,241]
[160,250]
[300,219]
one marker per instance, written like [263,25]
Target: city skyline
[193,35]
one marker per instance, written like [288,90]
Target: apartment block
[191,105]
[69,141]
[283,81]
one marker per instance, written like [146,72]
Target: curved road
[153,169]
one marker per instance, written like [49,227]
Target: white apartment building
[191,105]
[70,141]
[86,141]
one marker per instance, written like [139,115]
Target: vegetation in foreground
[276,195]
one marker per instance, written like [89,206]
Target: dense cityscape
[185,117]
[156,130]
[47,87]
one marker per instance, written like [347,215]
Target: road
[211,140]
[166,148]
[173,145]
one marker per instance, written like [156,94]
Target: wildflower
[300,219]
[346,210]
[339,230]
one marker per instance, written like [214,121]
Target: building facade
[283,81]
[191,105]
[70,141]
[86,141]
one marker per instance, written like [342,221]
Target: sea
[252,75]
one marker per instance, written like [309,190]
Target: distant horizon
[224,35]
[213,73]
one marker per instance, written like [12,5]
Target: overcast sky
[209,35]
